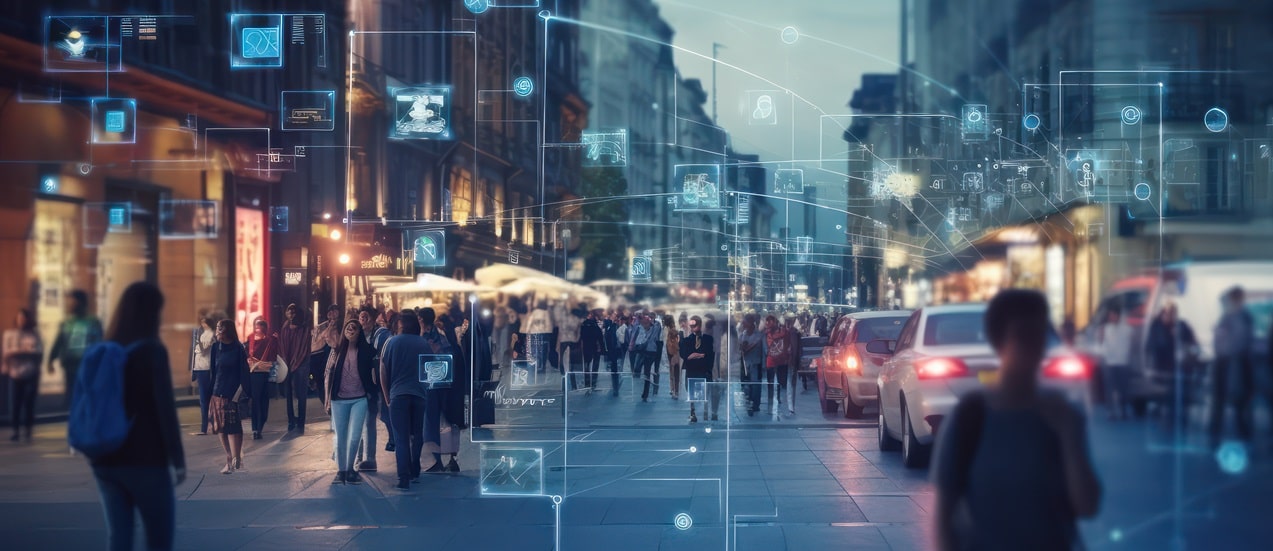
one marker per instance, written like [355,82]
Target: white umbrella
[425,283]
[499,275]
[610,283]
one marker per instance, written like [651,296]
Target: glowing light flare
[1068,367]
[344,258]
[940,368]
[335,235]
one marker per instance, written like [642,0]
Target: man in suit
[697,358]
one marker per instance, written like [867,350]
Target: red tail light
[1067,367]
[940,368]
[852,364]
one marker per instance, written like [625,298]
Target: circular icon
[790,35]
[974,115]
[556,500]
[523,86]
[683,521]
[693,449]
[477,6]
[1142,191]
[1131,115]
[1031,122]
[49,185]
[1232,457]
[1216,119]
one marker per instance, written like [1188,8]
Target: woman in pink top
[348,380]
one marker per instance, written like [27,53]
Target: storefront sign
[293,278]
[379,262]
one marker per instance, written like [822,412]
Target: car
[846,371]
[942,354]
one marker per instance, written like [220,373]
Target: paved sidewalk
[623,477]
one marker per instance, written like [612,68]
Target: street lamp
[335,235]
[344,258]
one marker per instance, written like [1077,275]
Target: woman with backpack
[229,374]
[348,386]
[140,474]
[22,355]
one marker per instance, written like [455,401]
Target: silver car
[940,355]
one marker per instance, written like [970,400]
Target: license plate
[988,377]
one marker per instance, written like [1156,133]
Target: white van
[1196,288]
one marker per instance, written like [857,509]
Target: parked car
[810,348]
[1196,288]
[940,355]
[847,373]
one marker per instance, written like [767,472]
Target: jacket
[335,368]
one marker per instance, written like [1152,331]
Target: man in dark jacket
[614,350]
[593,342]
[697,357]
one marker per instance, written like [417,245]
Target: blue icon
[640,269]
[477,6]
[1031,122]
[114,121]
[1142,191]
[523,86]
[1232,457]
[117,216]
[683,521]
[1216,119]
[1130,115]
[261,42]
[790,35]
[49,184]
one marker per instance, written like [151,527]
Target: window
[461,195]
[955,328]
[888,328]
[907,336]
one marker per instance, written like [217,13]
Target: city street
[811,480]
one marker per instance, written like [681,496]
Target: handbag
[279,371]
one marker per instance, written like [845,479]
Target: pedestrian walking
[435,398]
[592,342]
[645,345]
[697,358]
[262,347]
[453,422]
[405,395]
[294,341]
[752,345]
[139,476]
[777,358]
[1234,336]
[673,339]
[375,337]
[1013,468]
[201,367]
[794,348]
[348,380]
[1117,337]
[569,323]
[326,337]
[229,377]
[78,332]
[21,364]
[1171,344]
[615,349]
[538,328]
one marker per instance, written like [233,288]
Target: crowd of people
[364,365]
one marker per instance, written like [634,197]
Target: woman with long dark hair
[349,384]
[22,355]
[141,474]
[229,374]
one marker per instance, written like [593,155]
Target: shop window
[461,195]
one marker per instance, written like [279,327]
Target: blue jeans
[146,490]
[260,400]
[204,380]
[407,412]
[347,422]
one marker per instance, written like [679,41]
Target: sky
[838,41]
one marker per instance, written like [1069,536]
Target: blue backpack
[98,424]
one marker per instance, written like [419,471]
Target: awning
[433,283]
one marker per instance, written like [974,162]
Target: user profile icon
[761,106]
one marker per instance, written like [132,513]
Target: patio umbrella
[426,283]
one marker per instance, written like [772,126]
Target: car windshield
[966,328]
[955,328]
[888,328]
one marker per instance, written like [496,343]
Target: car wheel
[914,454]
[851,409]
[887,443]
